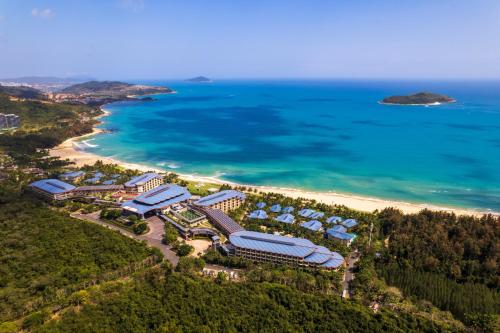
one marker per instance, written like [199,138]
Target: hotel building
[144,182]
[52,189]
[224,200]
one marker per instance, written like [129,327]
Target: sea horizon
[328,135]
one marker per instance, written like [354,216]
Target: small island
[200,79]
[421,98]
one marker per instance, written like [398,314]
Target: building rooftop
[71,174]
[258,214]
[306,212]
[290,246]
[313,225]
[285,218]
[349,223]
[261,205]
[141,179]
[317,215]
[275,208]
[109,182]
[337,228]
[100,188]
[288,209]
[221,220]
[221,196]
[341,235]
[53,186]
[157,198]
[333,219]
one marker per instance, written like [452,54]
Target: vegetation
[112,89]
[179,303]
[419,98]
[22,92]
[43,250]
[184,250]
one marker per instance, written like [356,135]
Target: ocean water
[320,135]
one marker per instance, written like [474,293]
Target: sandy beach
[68,150]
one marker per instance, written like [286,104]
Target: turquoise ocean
[319,135]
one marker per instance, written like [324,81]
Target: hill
[114,89]
[22,92]
[46,80]
[421,98]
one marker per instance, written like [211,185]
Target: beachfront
[68,150]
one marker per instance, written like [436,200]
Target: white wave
[173,166]
[88,144]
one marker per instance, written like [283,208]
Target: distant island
[421,98]
[199,79]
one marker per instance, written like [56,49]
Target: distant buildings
[277,249]
[73,176]
[9,121]
[144,182]
[258,214]
[224,200]
[312,225]
[156,200]
[52,189]
[286,218]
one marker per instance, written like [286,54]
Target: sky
[171,39]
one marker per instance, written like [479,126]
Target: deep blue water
[321,135]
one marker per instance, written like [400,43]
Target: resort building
[317,215]
[221,221]
[156,200]
[261,205]
[288,209]
[278,249]
[92,190]
[312,225]
[144,182]
[72,176]
[275,208]
[224,200]
[258,214]
[343,237]
[286,218]
[306,212]
[9,121]
[52,189]
[338,228]
[350,223]
[333,220]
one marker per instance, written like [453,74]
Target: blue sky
[163,39]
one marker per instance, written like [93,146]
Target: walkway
[349,275]
[153,237]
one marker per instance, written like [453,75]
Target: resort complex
[8,121]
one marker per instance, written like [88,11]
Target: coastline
[68,150]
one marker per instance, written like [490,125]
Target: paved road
[152,238]
[349,275]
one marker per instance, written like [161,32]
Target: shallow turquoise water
[320,135]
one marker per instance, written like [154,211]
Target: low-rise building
[224,200]
[52,189]
[144,182]
[156,200]
[221,221]
[72,176]
[9,121]
[92,190]
[341,236]
[277,249]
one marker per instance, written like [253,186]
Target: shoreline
[68,150]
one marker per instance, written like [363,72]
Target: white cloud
[133,5]
[46,13]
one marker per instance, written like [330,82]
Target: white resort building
[144,182]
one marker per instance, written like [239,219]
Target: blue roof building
[344,237]
[109,182]
[157,199]
[264,247]
[52,189]
[285,218]
[313,225]
[258,214]
[288,209]
[261,205]
[275,208]
[317,215]
[333,219]
[72,175]
[338,228]
[93,180]
[223,200]
[306,212]
[350,223]
[144,182]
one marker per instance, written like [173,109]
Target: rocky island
[199,79]
[421,98]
